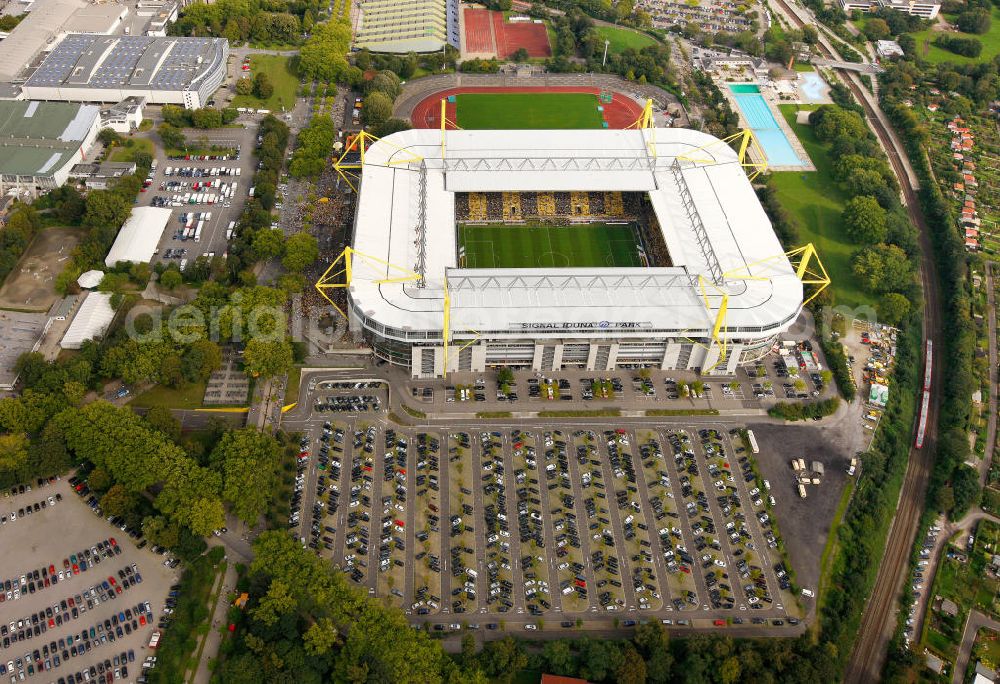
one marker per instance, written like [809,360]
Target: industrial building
[40,142]
[95,68]
[91,321]
[713,291]
[125,116]
[101,176]
[925,9]
[138,238]
[401,27]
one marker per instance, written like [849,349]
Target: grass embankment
[285,82]
[935,55]
[816,201]
[188,397]
[619,39]
[126,151]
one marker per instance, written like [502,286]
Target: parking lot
[552,524]
[80,601]
[203,198]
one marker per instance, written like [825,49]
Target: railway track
[877,620]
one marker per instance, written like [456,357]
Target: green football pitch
[542,245]
[527,110]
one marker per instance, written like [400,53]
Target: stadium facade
[717,298]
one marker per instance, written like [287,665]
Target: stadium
[551,249]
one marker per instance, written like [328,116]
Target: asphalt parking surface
[555,522]
[45,539]
[213,237]
[804,523]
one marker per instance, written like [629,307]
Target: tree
[632,669]
[248,461]
[385,82]
[974,21]
[200,360]
[262,86]
[172,137]
[520,55]
[377,108]
[390,126]
[244,86]
[13,451]
[267,358]
[109,137]
[505,375]
[171,279]
[119,501]
[106,209]
[160,418]
[301,250]
[865,220]
[321,636]
[268,243]
[892,308]
[207,117]
[276,602]
[965,488]
[882,268]
[876,29]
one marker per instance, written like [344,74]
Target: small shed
[90,279]
[802,117]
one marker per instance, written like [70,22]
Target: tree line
[240,21]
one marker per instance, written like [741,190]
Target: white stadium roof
[138,238]
[712,223]
[90,322]
[90,279]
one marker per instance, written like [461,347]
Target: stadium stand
[596,202]
[581,203]
[477,206]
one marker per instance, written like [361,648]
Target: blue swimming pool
[771,138]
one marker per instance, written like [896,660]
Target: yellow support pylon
[748,144]
[360,143]
[330,279]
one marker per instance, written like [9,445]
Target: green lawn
[621,38]
[286,84]
[542,245]
[935,55]
[528,110]
[188,397]
[126,152]
[814,198]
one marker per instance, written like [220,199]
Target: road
[878,618]
[975,622]
[991,421]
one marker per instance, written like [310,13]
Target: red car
[65,563]
[52,569]
[142,619]
[112,580]
[76,569]
[719,623]
[112,540]
[52,622]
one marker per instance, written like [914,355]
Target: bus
[753,442]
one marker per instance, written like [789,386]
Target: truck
[802,491]
[197,231]
[753,442]
[853,467]
[230,229]
[154,639]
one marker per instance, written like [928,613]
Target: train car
[928,365]
[922,424]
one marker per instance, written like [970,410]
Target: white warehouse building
[710,287]
[139,236]
[98,68]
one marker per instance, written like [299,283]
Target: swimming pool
[771,138]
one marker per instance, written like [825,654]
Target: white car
[531,627]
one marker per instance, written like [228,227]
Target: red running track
[514,35]
[478,37]
[621,112]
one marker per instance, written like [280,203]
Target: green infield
[527,110]
[542,245]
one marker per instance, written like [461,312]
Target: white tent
[138,238]
[90,279]
[90,322]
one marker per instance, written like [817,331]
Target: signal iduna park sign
[584,325]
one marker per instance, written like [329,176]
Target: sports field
[527,110]
[543,245]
